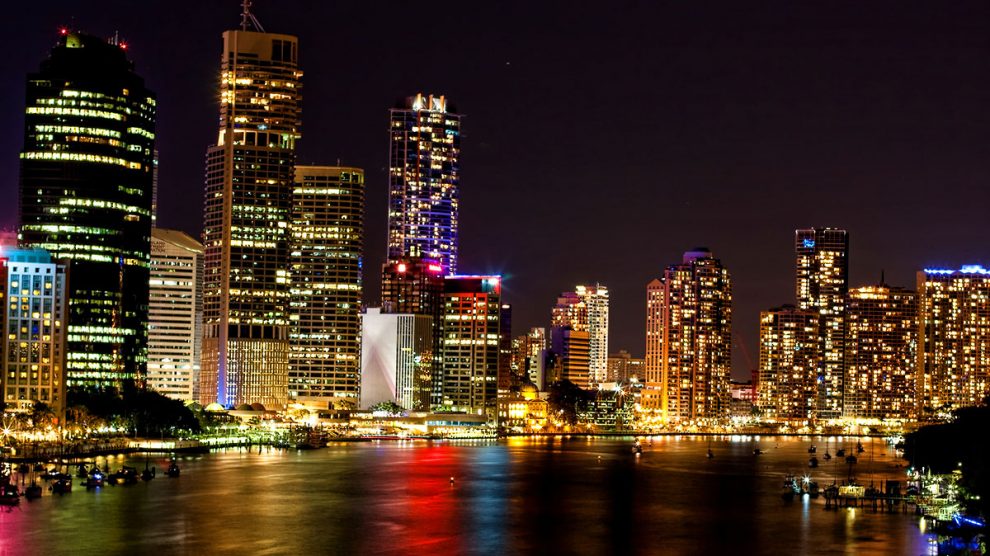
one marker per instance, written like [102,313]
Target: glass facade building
[246,220]
[325,259]
[424,181]
[470,345]
[86,175]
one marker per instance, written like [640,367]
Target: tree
[960,444]
[565,398]
[389,407]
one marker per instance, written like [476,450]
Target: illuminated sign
[808,243]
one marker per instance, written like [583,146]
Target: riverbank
[80,450]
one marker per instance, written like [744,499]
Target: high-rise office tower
[822,284]
[787,379]
[423,181]
[469,367]
[396,359]
[689,339]
[34,318]
[175,316]
[953,339]
[571,348]
[507,377]
[881,353]
[327,248]
[246,219]
[585,311]
[85,197]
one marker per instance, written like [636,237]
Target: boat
[840,453]
[125,476]
[148,474]
[8,493]
[851,459]
[61,485]
[812,449]
[173,470]
[711,454]
[790,489]
[813,462]
[757,451]
[827,455]
[38,467]
[96,479]
[32,491]
[81,471]
[637,448]
[859,448]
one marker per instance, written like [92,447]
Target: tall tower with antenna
[246,215]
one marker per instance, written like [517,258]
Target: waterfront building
[424,181]
[689,339]
[85,197]
[610,410]
[326,252]
[743,399]
[523,412]
[953,339]
[822,260]
[507,376]
[396,359]
[622,366]
[470,345]
[415,286]
[528,354]
[881,353]
[787,388]
[246,220]
[175,314]
[572,349]
[585,310]
[34,325]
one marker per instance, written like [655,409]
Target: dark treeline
[963,444]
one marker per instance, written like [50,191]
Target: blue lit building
[423,181]
[953,339]
[85,196]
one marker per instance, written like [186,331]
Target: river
[518,496]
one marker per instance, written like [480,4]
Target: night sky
[601,140]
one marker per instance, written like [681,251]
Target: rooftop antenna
[247,18]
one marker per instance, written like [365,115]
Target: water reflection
[548,495]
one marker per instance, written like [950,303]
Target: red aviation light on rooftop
[63,31]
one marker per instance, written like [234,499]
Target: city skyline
[510,180]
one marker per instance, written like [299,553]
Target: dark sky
[603,139]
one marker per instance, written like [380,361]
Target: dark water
[521,496]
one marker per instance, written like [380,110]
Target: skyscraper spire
[247,18]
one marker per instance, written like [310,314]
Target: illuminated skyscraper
[822,284]
[584,311]
[881,353]
[622,366]
[507,377]
[423,181]
[689,339]
[246,218]
[85,197]
[470,352]
[326,252]
[34,327]
[787,387]
[175,317]
[528,354]
[953,339]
